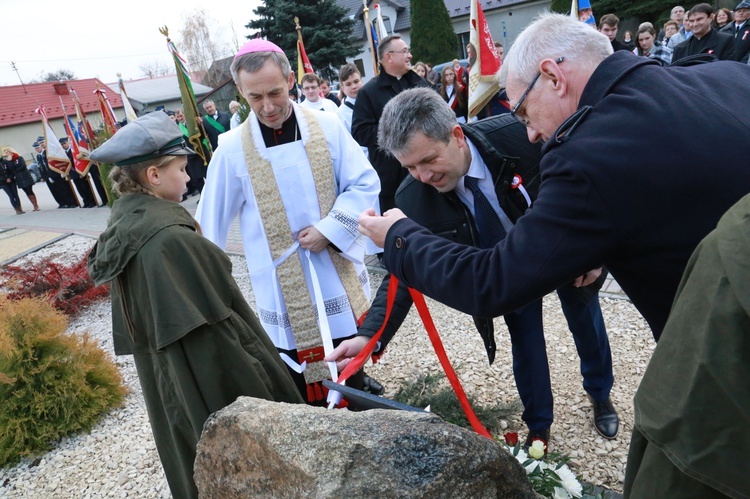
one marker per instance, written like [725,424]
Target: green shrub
[426,390]
[51,383]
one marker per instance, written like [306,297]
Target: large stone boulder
[256,448]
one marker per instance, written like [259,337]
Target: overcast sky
[102,38]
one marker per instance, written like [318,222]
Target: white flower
[561,494]
[569,481]
[537,449]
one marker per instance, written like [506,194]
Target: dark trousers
[196,170]
[530,365]
[97,179]
[84,189]
[12,191]
[54,190]
[66,193]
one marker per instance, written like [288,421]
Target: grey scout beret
[148,137]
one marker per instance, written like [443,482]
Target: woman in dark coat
[195,341]
[8,184]
[453,92]
[24,180]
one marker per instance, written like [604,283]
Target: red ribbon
[357,362]
[437,344]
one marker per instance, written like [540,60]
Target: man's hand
[346,351]
[587,278]
[311,239]
[376,227]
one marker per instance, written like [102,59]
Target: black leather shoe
[606,421]
[542,435]
[370,385]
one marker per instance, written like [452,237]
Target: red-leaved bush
[67,287]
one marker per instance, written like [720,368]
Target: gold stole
[298,301]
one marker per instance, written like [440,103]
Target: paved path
[92,221]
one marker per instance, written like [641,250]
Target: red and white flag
[108,114]
[382,32]
[56,157]
[303,63]
[81,160]
[126,105]
[85,130]
[483,83]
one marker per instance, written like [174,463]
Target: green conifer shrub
[51,384]
[432,390]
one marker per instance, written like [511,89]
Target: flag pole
[303,62]
[369,38]
[300,67]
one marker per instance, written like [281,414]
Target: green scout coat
[694,400]
[176,308]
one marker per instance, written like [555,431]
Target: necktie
[490,228]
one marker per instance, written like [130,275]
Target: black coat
[720,45]
[224,120]
[44,170]
[19,171]
[371,100]
[741,40]
[608,196]
[6,173]
[502,144]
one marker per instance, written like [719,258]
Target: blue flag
[374,40]
[75,129]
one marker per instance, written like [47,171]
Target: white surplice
[229,192]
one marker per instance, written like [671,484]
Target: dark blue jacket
[633,182]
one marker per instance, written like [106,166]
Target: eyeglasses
[405,51]
[514,111]
[307,89]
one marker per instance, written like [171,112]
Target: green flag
[196,132]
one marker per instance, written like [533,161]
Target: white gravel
[118,457]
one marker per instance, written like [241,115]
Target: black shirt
[289,132]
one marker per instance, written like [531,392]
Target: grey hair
[412,111]
[385,44]
[550,36]
[254,61]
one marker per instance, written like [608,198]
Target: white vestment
[229,192]
[322,104]
[345,113]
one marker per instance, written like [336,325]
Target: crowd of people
[722,34]
[458,210]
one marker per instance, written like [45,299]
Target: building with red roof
[20,124]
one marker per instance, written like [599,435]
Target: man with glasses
[615,191]
[395,77]
[313,100]
[446,161]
